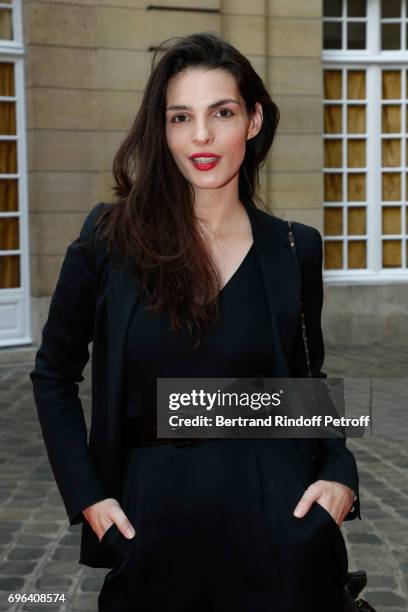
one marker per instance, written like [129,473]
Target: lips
[203,154]
[204,161]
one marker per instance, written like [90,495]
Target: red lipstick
[204,160]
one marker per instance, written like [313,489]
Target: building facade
[72,73]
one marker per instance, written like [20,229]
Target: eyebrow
[211,106]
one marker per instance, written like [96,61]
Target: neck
[218,215]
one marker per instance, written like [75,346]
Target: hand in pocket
[104,514]
[334,497]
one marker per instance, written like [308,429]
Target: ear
[255,123]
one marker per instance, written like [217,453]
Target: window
[9,235]
[345,24]
[365,104]
[6,21]
[14,282]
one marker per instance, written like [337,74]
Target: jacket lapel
[122,296]
[282,282]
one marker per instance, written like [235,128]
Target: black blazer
[93,301]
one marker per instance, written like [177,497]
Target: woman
[181,281]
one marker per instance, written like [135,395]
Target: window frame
[373,60]
[15,302]
[16,44]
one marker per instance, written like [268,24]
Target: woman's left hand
[335,497]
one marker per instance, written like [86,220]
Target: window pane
[8,118]
[356,153]
[333,221]
[356,220]
[9,233]
[333,154]
[356,119]
[8,157]
[391,118]
[390,8]
[391,84]
[333,189]
[332,8]
[391,220]
[356,37]
[357,254]
[9,271]
[333,254]
[391,253]
[6,24]
[6,79]
[8,195]
[331,35]
[356,187]
[391,186]
[356,85]
[391,152]
[332,119]
[390,36]
[356,8]
[332,84]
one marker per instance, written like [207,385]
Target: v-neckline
[231,278]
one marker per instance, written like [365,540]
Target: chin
[209,185]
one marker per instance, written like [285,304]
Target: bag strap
[302,314]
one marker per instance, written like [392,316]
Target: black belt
[142,431]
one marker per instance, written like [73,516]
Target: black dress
[214,524]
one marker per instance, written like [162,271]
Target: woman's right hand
[104,513]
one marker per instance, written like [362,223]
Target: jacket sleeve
[59,363]
[337,462]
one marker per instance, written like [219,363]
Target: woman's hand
[335,497]
[104,513]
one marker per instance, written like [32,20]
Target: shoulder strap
[302,315]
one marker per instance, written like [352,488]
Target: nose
[202,133]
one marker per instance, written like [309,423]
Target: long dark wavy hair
[152,226]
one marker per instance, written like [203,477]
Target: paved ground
[38,551]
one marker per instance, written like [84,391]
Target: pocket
[114,544]
[106,535]
[339,543]
[328,515]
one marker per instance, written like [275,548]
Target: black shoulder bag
[356,581]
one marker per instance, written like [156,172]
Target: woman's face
[210,118]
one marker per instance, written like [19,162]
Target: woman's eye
[228,111]
[222,110]
[175,117]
